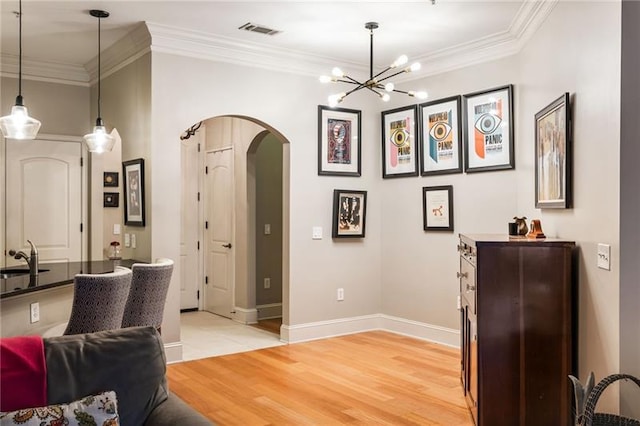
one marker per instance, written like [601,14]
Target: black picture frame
[441,136]
[133,182]
[349,213]
[111,199]
[110,179]
[437,208]
[489,130]
[400,147]
[339,139]
[553,155]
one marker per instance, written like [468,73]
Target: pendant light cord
[99,66]
[20,52]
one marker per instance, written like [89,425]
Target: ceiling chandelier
[19,125]
[99,140]
[375,83]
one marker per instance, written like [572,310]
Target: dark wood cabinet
[517,329]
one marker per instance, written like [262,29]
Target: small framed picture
[349,213]
[110,179]
[437,208]
[553,155]
[133,172]
[338,141]
[111,199]
[441,130]
[399,142]
[488,130]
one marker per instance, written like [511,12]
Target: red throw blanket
[23,373]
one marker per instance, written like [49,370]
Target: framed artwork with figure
[338,141]
[437,208]
[553,155]
[349,213]
[133,178]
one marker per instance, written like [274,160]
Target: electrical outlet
[267,229]
[35,312]
[267,283]
[459,303]
[340,295]
[316,233]
[116,229]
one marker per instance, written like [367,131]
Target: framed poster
[133,179]
[440,131]
[349,213]
[437,208]
[488,130]
[338,141]
[399,146]
[553,155]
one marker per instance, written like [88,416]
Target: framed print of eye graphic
[441,129]
[399,142]
[489,130]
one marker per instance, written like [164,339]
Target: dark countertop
[58,274]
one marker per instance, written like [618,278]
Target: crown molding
[149,36]
[50,72]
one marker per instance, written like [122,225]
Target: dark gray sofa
[129,361]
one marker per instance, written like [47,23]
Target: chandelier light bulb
[414,67]
[419,95]
[402,59]
[325,79]
[389,87]
[385,97]
[337,72]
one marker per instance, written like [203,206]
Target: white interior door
[44,199]
[190,278]
[219,213]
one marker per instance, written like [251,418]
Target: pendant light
[99,140]
[19,125]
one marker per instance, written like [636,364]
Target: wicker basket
[590,418]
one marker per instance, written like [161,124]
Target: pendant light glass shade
[99,140]
[19,125]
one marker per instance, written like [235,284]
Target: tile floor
[204,335]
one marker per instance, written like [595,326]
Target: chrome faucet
[32,260]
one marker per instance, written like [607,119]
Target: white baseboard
[325,329]
[270,310]
[245,316]
[173,352]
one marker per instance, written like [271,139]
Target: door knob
[228,245]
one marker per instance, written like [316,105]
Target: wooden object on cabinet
[517,329]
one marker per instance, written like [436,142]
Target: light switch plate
[133,240]
[116,229]
[316,233]
[127,240]
[267,229]
[604,256]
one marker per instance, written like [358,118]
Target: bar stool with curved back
[98,301]
[149,287]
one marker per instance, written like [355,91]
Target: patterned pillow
[98,410]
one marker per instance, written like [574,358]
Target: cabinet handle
[471,287]
[462,275]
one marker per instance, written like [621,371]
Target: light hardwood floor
[373,378]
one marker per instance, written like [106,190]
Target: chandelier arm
[391,76]
[348,81]
[381,72]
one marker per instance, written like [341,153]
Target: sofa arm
[174,411]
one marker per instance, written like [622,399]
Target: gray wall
[630,208]
[269,211]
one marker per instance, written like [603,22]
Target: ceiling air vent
[255,28]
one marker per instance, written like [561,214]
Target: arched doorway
[250,146]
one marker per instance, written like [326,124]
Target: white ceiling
[329,32]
